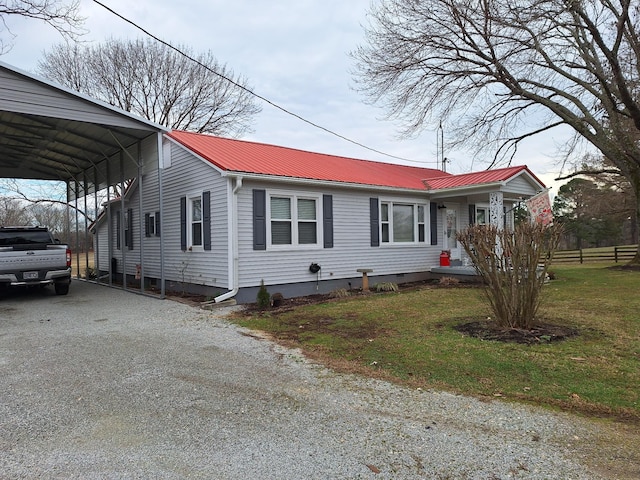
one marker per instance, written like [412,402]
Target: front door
[450,223]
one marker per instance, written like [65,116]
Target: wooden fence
[613,254]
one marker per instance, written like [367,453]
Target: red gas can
[444,259]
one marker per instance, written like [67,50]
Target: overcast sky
[293,52]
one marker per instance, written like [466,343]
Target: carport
[48,132]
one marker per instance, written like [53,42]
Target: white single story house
[225,215]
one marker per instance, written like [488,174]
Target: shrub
[448,281]
[339,293]
[263,299]
[277,299]
[513,265]
[386,287]
[90,273]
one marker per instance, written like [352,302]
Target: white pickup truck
[30,256]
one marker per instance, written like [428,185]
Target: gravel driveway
[107,384]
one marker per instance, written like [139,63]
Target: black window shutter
[472,214]
[130,229]
[206,220]
[157,224]
[146,225]
[433,207]
[118,227]
[327,220]
[374,214]
[183,223]
[259,220]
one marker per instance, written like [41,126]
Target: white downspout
[234,275]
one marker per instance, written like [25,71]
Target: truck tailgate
[52,258]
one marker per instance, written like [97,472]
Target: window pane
[452,225]
[481,216]
[306,209]
[281,233]
[196,233]
[384,212]
[196,210]
[385,232]
[280,208]
[403,223]
[307,232]
[420,213]
[421,232]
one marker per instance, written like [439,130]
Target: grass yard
[409,337]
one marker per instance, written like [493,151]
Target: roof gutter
[444,192]
[234,275]
[321,183]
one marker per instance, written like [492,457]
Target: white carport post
[161,161]
[141,218]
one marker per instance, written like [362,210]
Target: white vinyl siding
[187,174]
[351,241]
[190,176]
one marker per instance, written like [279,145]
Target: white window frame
[190,221]
[294,197]
[484,207]
[152,224]
[416,223]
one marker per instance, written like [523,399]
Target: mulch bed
[541,333]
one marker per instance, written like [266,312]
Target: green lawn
[409,337]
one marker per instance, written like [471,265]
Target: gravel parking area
[108,384]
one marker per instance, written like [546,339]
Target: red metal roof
[497,175]
[263,159]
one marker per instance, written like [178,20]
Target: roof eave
[443,192]
[316,182]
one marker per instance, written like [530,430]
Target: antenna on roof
[440,160]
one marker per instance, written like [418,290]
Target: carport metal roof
[48,132]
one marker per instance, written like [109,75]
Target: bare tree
[13,212]
[156,82]
[502,71]
[63,16]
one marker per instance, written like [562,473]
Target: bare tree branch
[501,71]
[151,80]
[64,17]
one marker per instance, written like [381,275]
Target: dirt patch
[628,267]
[540,333]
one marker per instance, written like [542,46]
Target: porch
[464,273]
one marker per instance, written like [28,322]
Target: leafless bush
[386,287]
[513,265]
[339,293]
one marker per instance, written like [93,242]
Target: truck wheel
[61,288]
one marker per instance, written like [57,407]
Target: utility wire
[251,92]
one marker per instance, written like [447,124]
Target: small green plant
[386,287]
[263,299]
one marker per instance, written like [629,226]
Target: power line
[249,91]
